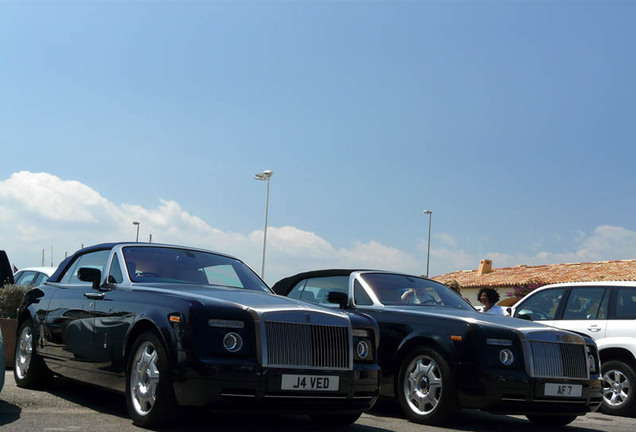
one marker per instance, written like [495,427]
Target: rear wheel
[426,390]
[619,383]
[29,369]
[551,420]
[149,394]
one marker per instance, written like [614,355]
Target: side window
[114,274]
[95,259]
[40,279]
[626,303]
[584,303]
[360,296]
[297,290]
[26,278]
[540,306]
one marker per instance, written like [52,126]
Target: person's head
[454,285]
[488,296]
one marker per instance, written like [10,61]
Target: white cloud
[39,211]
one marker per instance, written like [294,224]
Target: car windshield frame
[394,289]
[178,265]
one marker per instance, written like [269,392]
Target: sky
[513,122]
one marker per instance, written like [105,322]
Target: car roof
[46,270]
[284,286]
[588,284]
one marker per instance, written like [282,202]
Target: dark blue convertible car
[171,326]
[438,354]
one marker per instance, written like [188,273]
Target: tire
[426,389]
[335,420]
[29,369]
[618,388]
[149,394]
[551,420]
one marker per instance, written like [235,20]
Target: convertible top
[284,286]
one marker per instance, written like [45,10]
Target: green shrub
[11,297]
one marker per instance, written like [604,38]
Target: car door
[69,322]
[622,320]
[114,314]
[586,311]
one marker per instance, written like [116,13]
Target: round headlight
[592,362]
[232,342]
[506,357]
[362,349]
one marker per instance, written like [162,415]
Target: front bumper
[253,387]
[517,393]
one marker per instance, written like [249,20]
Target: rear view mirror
[89,274]
[338,298]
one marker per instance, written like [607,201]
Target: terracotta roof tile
[545,274]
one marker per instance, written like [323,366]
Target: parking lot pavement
[73,407]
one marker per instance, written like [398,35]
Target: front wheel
[149,394]
[29,369]
[425,388]
[551,420]
[618,388]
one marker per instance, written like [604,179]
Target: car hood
[471,317]
[260,301]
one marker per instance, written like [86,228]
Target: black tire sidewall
[629,407]
[165,404]
[448,404]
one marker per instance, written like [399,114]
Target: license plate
[310,382]
[563,390]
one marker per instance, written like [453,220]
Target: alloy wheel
[144,378]
[24,351]
[422,385]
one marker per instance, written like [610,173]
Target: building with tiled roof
[504,279]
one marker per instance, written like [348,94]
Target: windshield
[395,289]
[175,265]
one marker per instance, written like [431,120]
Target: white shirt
[497,310]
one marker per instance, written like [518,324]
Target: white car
[605,311]
[33,276]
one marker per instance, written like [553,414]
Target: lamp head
[265,175]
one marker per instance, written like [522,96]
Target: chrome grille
[558,360]
[307,345]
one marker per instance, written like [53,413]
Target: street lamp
[137,223]
[428,254]
[264,176]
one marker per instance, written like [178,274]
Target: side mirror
[89,274]
[525,316]
[338,298]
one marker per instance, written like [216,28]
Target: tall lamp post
[265,176]
[137,223]
[428,253]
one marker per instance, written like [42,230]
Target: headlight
[363,349]
[232,342]
[592,361]
[226,323]
[361,333]
[506,357]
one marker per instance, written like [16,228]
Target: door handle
[94,296]
[594,329]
